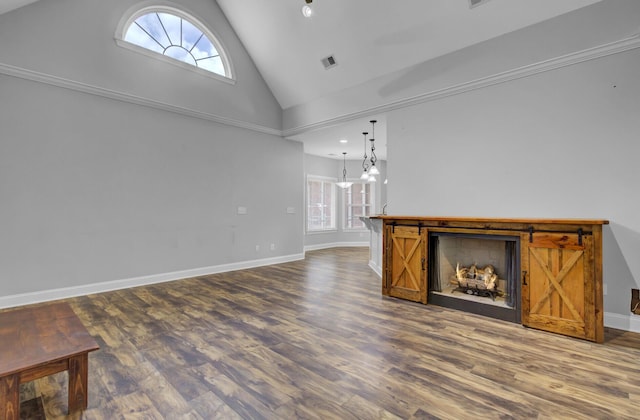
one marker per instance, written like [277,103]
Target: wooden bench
[38,341]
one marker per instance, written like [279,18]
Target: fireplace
[548,272]
[475,273]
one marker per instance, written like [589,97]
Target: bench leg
[78,391]
[10,397]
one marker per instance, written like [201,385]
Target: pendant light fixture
[344,183]
[307,11]
[373,170]
[365,163]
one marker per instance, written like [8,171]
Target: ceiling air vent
[329,62]
[474,3]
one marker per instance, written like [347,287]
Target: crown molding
[570,59]
[60,82]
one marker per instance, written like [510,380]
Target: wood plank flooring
[315,339]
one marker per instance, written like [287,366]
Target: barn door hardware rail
[419,225]
[578,232]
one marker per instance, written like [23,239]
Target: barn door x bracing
[406,253]
[558,285]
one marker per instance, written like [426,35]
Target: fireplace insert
[475,272]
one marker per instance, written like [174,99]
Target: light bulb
[307,11]
[374,170]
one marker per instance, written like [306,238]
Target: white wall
[98,191]
[559,144]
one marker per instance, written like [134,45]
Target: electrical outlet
[272,247]
[257,248]
[604,289]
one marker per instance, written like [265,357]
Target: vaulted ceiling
[368,38]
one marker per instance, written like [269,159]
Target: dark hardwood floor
[315,339]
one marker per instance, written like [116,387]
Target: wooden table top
[38,335]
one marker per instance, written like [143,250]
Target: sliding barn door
[558,292]
[405,263]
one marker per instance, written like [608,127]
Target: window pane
[190,35]
[137,36]
[315,218]
[328,204]
[151,24]
[213,64]
[357,203]
[181,54]
[203,49]
[320,205]
[171,25]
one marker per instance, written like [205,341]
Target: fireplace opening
[477,273]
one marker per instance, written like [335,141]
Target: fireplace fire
[476,281]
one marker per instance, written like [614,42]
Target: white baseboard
[376,268]
[335,245]
[622,322]
[87,289]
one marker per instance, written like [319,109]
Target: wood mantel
[560,266]
[451,221]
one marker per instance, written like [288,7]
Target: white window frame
[347,206]
[134,13]
[330,182]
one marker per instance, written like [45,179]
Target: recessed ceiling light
[307,11]
[344,140]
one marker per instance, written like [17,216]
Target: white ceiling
[368,38]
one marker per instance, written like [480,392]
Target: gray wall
[75,40]
[561,143]
[96,190]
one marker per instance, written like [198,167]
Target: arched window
[177,35]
